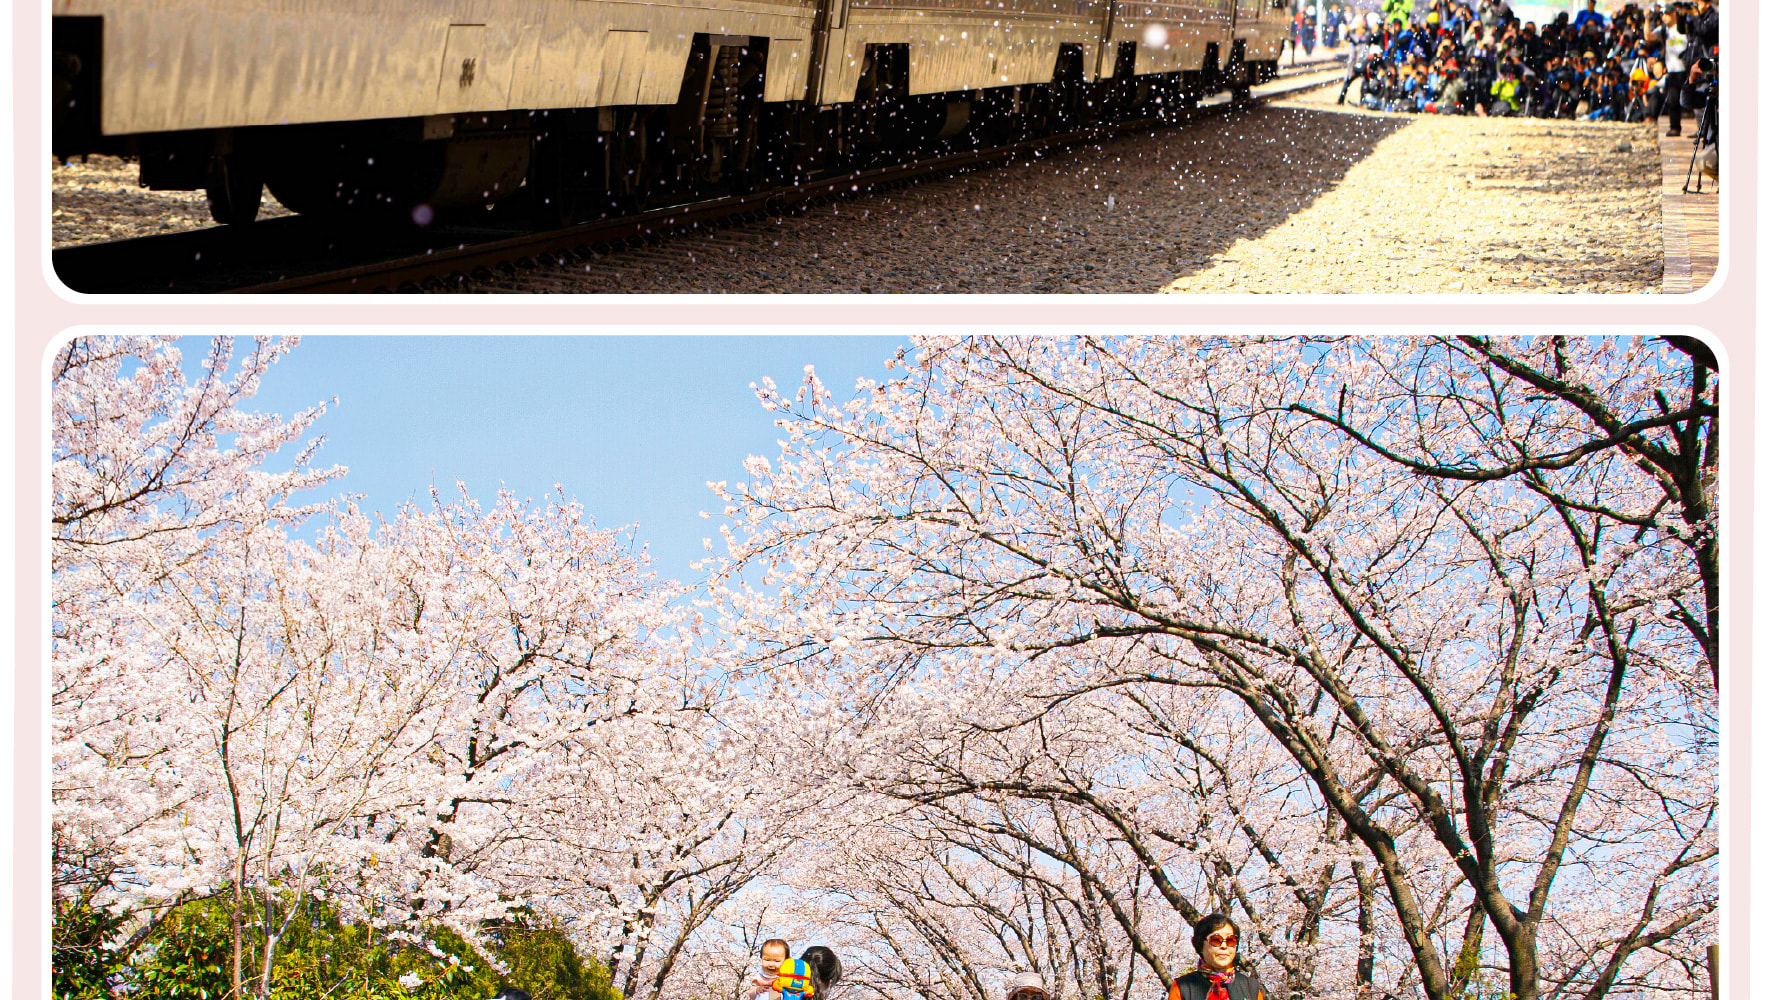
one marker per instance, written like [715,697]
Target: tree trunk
[1464,967]
[238,990]
[1367,963]
[1522,962]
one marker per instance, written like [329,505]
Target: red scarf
[1220,982]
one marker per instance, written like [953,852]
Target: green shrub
[189,956]
[80,965]
[542,961]
[321,956]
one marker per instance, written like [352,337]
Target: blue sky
[633,427]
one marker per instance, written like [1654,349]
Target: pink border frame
[1724,311]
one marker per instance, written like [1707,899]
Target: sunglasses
[1222,941]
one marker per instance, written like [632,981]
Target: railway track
[297,254]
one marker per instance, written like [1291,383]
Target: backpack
[794,980]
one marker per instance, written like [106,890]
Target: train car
[404,108]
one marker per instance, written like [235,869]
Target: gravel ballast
[98,199]
[1300,196]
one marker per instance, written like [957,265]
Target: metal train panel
[952,51]
[172,65]
[784,79]
[595,54]
[1263,25]
[1170,37]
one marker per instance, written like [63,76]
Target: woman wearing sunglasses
[1216,978]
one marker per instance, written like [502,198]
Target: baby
[774,952]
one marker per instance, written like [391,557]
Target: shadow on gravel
[1255,170]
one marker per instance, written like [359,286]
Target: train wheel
[1067,89]
[1238,75]
[629,177]
[564,167]
[235,191]
[731,119]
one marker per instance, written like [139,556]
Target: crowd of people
[1634,63]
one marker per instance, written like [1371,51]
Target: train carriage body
[957,45]
[373,104]
[1262,27]
[179,64]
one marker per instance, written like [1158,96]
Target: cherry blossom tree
[1474,650]
[149,471]
[432,718]
[1129,817]
[1450,410]
[290,727]
[590,760]
[1028,659]
[142,459]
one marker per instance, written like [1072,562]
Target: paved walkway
[1689,221]
[1321,58]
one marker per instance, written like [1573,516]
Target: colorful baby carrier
[794,980]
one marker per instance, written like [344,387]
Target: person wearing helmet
[794,980]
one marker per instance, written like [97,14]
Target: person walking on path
[1215,939]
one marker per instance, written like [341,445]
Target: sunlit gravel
[98,199]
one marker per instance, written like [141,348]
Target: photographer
[1646,80]
[1608,97]
[1468,88]
[1561,96]
[1673,45]
[1589,15]
[1699,25]
[1506,92]
[1357,68]
[1704,26]
[1699,93]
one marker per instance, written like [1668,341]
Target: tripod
[1705,124]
